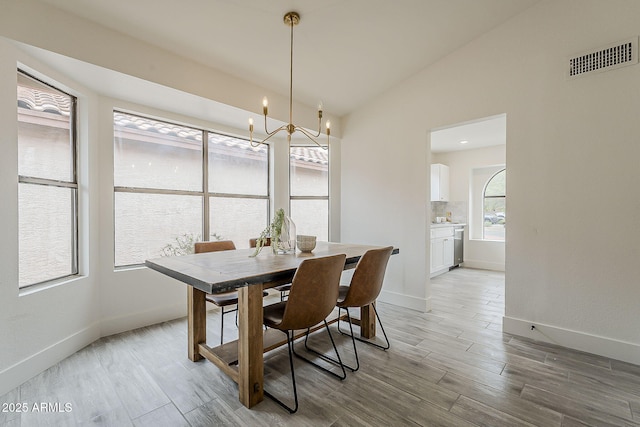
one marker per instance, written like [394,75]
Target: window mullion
[206,201]
[74,233]
[44,181]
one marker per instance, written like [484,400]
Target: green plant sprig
[273,231]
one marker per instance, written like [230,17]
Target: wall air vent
[606,58]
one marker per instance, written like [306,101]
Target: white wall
[478,253]
[37,329]
[385,192]
[572,150]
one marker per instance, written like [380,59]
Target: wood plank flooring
[450,367]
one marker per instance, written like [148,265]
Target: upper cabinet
[439,183]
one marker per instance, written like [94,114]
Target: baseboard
[602,346]
[116,325]
[483,265]
[402,300]
[17,374]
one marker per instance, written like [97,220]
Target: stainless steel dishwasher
[458,246]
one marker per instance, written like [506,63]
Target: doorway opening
[473,154]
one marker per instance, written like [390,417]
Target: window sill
[129,268]
[28,290]
[486,240]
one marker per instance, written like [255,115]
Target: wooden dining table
[223,271]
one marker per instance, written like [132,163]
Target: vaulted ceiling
[346,51]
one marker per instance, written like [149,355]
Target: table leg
[367,321]
[250,345]
[196,320]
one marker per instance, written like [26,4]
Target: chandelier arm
[313,138]
[309,134]
[265,126]
[319,126]
[269,135]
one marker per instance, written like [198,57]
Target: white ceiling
[346,51]
[485,132]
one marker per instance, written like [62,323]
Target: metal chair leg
[322,356]
[293,379]
[332,360]
[222,326]
[383,347]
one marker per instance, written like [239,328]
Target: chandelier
[291,19]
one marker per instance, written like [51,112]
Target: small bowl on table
[305,243]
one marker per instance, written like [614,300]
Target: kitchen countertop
[448,224]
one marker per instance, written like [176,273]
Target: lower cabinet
[441,249]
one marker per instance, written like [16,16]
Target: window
[238,189]
[174,184]
[47,182]
[494,207]
[309,186]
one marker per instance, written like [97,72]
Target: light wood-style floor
[450,367]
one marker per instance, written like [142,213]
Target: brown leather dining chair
[283,289]
[363,290]
[225,299]
[313,295]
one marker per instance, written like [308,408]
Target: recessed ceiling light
[464,142]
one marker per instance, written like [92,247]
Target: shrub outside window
[47,182]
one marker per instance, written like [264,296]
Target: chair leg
[222,325]
[293,379]
[332,360]
[383,347]
[322,356]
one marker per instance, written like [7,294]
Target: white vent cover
[606,58]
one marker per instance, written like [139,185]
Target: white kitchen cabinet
[439,183]
[442,246]
[437,255]
[447,248]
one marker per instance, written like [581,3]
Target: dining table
[237,270]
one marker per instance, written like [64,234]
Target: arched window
[494,201]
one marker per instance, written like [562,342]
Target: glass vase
[286,242]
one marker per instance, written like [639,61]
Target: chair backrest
[254,242]
[314,291]
[366,282]
[215,246]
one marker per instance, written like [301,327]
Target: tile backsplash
[458,210]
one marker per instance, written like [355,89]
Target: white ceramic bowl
[306,243]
